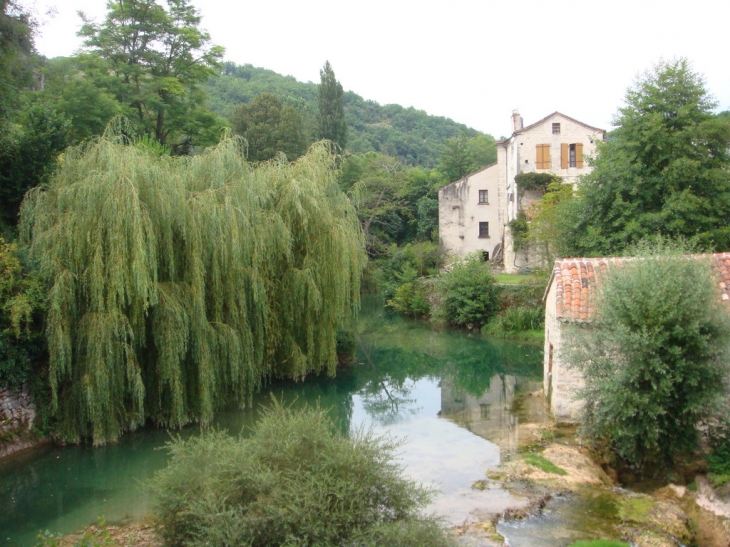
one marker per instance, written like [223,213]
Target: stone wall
[17,411]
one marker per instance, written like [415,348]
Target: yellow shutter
[543,156]
[579,154]
[564,155]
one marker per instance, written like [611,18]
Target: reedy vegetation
[178,284]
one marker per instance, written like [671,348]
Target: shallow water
[582,515]
[453,396]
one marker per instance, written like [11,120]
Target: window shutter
[564,155]
[579,154]
[543,156]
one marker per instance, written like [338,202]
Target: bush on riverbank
[655,362]
[22,302]
[295,481]
[517,322]
[468,295]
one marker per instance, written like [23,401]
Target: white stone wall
[460,214]
[560,384]
[520,151]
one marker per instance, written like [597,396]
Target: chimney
[516,121]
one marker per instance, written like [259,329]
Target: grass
[543,464]
[516,279]
[599,543]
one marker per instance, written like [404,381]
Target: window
[484,229]
[485,256]
[483,196]
[556,129]
[571,155]
[543,156]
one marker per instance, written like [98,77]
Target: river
[456,398]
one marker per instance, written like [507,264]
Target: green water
[450,394]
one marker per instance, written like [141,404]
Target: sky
[474,61]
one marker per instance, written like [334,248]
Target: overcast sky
[470,60]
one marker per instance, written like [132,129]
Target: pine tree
[331,119]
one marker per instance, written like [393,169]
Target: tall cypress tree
[331,119]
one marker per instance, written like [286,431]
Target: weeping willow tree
[180,284]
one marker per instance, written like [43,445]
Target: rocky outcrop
[17,414]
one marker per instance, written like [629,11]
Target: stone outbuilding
[474,211]
[570,299]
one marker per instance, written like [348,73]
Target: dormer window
[556,129]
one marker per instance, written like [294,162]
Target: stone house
[475,210]
[570,299]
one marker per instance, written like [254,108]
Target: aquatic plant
[177,284]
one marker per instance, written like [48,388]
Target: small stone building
[570,299]
[475,210]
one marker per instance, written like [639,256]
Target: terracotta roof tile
[577,281]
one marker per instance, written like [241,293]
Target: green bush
[21,304]
[411,297]
[718,459]
[517,319]
[655,362]
[295,481]
[469,297]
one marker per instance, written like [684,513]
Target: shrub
[295,481]
[21,305]
[655,362]
[411,297]
[469,297]
[517,319]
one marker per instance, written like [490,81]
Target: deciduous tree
[157,58]
[664,170]
[269,127]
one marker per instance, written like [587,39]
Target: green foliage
[469,297]
[548,222]
[295,481]
[655,363]
[17,50]
[718,459]
[519,228]
[412,136]
[535,181]
[423,258]
[28,153]
[345,346]
[153,60]
[22,303]
[331,123]
[395,203]
[269,127]
[176,284]
[411,296]
[73,89]
[664,170]
[543,464]
[515,320]
[463,154]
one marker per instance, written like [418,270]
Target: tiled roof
[577,281]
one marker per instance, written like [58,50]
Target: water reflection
[454,396]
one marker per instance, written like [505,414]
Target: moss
[635,509]
[718,480]
[543,464]
[692,486]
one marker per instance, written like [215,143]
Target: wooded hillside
[411,135]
